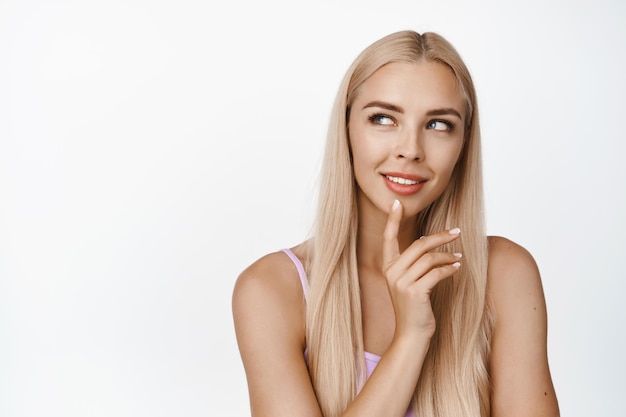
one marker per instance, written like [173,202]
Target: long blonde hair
[454,380]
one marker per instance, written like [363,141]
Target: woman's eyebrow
[384,105]
[395,108]
[444,112]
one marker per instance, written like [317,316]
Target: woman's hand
[413,274]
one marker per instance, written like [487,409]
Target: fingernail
[456,264]
[422,237]
[458,255]
[455,231]
[395,206]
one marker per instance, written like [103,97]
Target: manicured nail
[456,264]
[395,206]
[455,231]
[458,255]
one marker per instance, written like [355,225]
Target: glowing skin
[406,135]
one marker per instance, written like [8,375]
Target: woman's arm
[269,315]
[268,311]
[522,386]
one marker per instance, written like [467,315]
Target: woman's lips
[403,184]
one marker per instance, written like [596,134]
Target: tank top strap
[301,272]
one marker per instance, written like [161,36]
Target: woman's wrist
[411,343]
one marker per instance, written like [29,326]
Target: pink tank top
[371,360]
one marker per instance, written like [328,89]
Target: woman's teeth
[402,181]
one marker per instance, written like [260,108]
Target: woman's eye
[440,125]
[381,119]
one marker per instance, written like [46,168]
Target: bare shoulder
[504,255]
[269,316]
[272,272]
[270,285]
[521,381]
[512,274]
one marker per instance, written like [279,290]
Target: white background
[150,150]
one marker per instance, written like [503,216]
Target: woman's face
[406,132]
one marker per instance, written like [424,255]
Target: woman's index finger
[391,248]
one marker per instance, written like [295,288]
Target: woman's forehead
[412,84]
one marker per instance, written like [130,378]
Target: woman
[399,304]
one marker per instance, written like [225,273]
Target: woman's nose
[409,145]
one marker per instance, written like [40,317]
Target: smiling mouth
[403,181]
[401,185]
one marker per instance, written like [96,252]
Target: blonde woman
[399,304]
